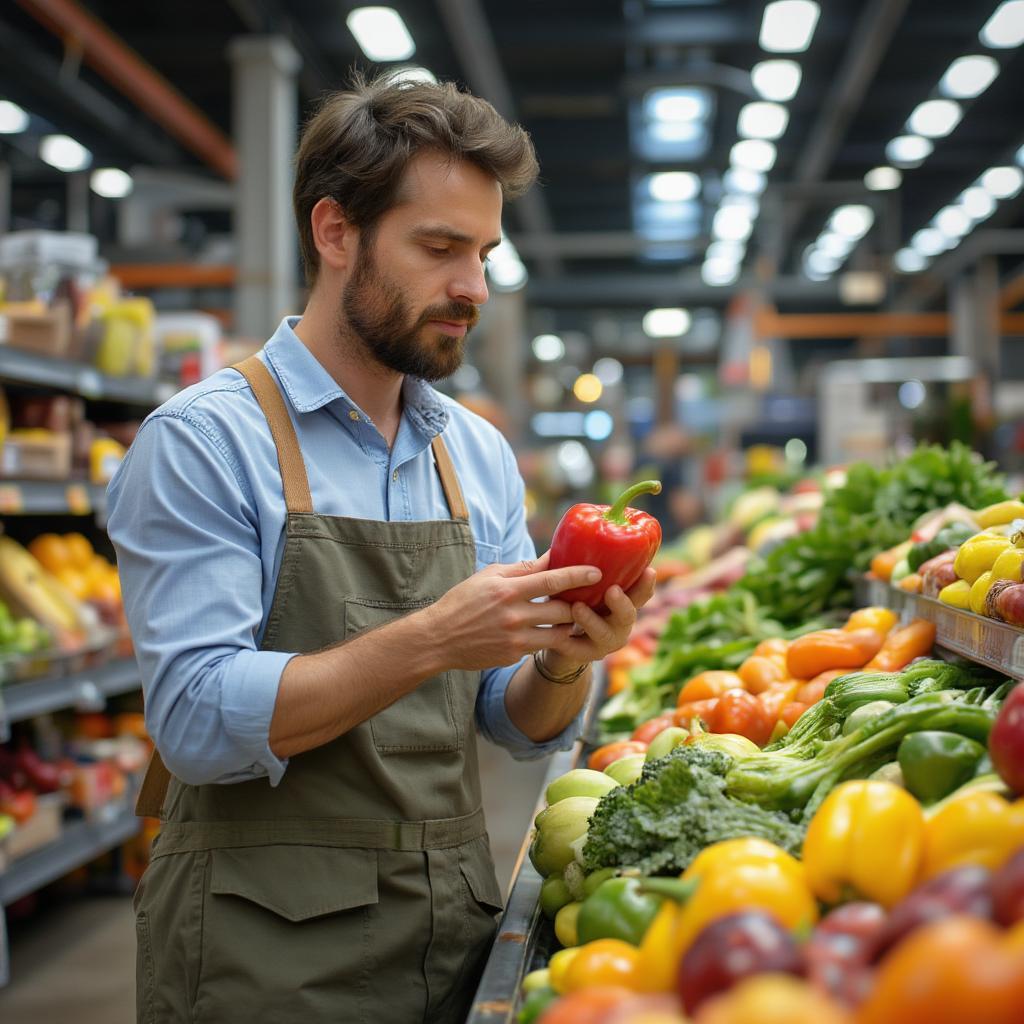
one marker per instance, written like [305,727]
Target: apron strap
[297,499]
[449,480]
[289,456]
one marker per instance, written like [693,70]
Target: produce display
[797,813]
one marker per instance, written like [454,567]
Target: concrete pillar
[265,103]
[78,201]
[501,350]
[974,303]
[5,198]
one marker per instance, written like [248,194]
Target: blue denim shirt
[197,517]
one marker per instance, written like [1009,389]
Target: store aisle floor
[75,964]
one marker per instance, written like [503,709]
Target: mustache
[453,312]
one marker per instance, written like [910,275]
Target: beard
[375,310]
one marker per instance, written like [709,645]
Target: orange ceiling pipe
[174,275]
[769,324]
[1012,293]
[110,57]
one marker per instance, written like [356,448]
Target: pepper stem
[674,888]
[616,512]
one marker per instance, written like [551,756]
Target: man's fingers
[643,590]
[600,630]
[548,613]
[550,582]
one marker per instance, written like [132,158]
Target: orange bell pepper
[602,962]
[954,971]
[881,620]
[709,684]
[865,842]
[775,647]
[831,648]
[759,673]
[884,562]
[976,828]
[902,646]
[814,689]
[703,709]
[604,756]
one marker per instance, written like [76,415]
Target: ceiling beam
[659,288]
[472,39]
[40,83]
[109,56]
[863,53]
[867,325]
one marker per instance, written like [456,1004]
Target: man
[320,556]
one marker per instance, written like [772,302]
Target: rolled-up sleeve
[492,716]
[185,530]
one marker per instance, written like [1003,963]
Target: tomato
[626,657]
[686,713]
[777,697]
[604,756]
[740,712]
[603,962]
[649,729]
[709,684]
[590,1007]
[791,712]
[759,673]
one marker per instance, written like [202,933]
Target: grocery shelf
[85,689]
[525,938]
[51,497]
[996,644]
[79,843]
[23,367]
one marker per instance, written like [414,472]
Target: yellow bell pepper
[565,924]
[558,965]
[957,593]
[733,875]
[1008,565]
[865,842]
[979,591]
[979,554]
[881,620]
[976,828]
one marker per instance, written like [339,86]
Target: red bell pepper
[620,541]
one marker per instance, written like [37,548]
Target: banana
[33,591]
[999,514]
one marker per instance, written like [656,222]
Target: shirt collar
[310,387]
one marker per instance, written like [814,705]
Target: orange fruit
[50,551]
[75,581]
[79,550]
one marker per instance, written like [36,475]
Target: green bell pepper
[535,1004]
[936,763]
[617,909]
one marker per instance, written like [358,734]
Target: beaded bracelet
[538,664]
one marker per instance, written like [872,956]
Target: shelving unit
[975,637]
[81,689]
[21,367]
[51,497]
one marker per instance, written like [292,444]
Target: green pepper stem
[616,512]
[674,888]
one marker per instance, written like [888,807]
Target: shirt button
[394,476]
[353,415]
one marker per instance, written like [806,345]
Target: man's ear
[334,235]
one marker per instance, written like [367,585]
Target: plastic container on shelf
[67,248]
[189,345]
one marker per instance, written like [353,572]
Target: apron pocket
[478,870]
[423,721]
[297,882]
[286,935]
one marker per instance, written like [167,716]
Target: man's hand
[494,618]
[595,636]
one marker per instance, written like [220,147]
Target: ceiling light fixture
[111,183]
[935,118]
[852,221]
[753,155]
[673,186]
[12,118]
[776,80]
[977,203]
[910,261]
[732,224]
[883,179]
[742,179]
[762,120]
[953,222]
[1002,182]
[788,25]
[929,241]
[908,150]
[548,348]
[969,76]
[1005,29]
[64,153]
[381,33]
[719,272]
[666,323]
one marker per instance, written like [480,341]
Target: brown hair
[358,143]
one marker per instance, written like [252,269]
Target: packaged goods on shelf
[189,346]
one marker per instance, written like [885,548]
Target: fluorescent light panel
[753,155]
[934,118]
[776,80]
[110,182]
[762,120]
[381,33]
[788,25]
[64,153]
[968,77]
[12,118]
[666,323]
[673,186]
[1005,29]
[883,179]
[908,150]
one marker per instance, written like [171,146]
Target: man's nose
[470,285]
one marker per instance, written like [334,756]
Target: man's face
[418,280]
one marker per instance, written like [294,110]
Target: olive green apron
[361,888]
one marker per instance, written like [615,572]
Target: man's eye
[436,252]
